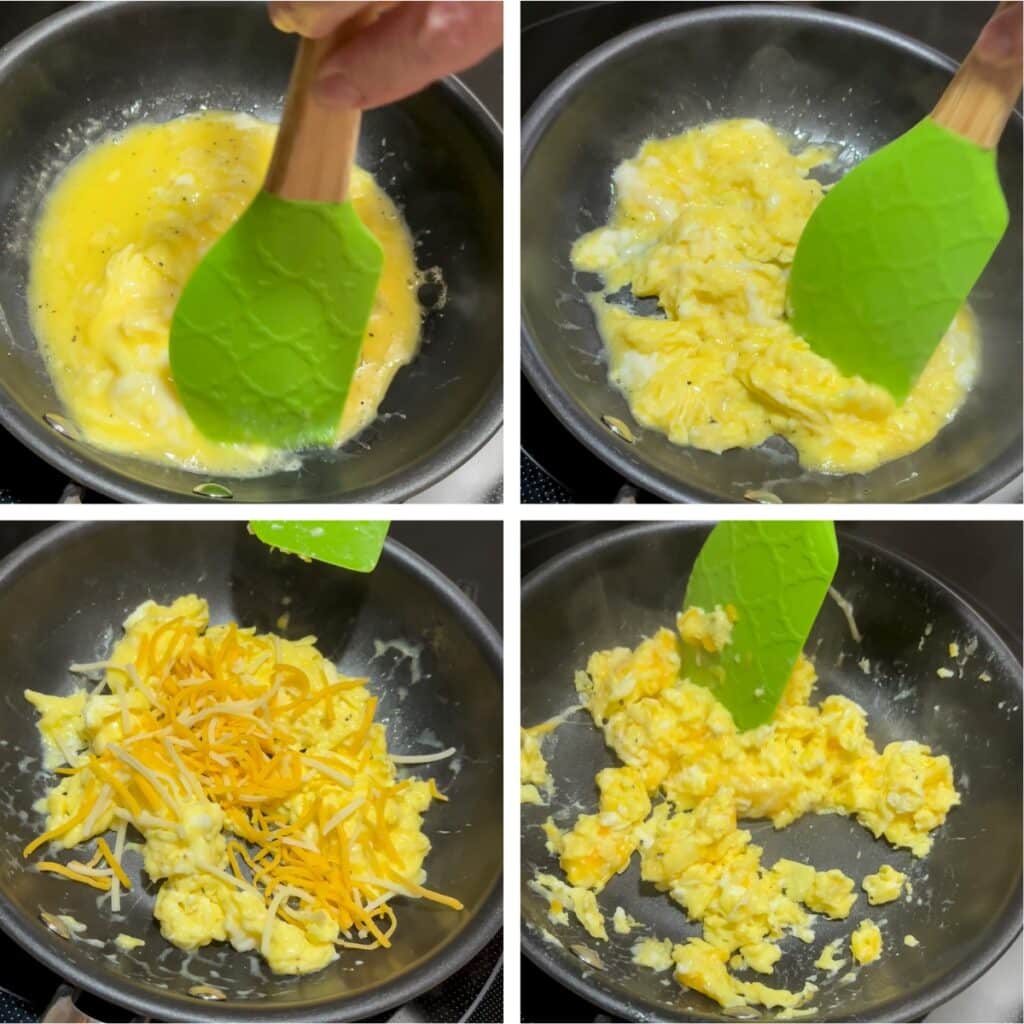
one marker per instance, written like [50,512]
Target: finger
[312,19]
[406,49]
[1000,41]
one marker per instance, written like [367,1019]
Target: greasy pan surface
[62,598]
[97,67]
[967,893]
[811,74]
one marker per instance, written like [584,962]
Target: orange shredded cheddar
[96,881]
[314,819]
[112,862]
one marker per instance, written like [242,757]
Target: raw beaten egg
[121,233]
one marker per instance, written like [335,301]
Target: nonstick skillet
[613,590]
[97,67]
[63,595]
[810,73]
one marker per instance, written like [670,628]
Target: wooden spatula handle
[316,145]
[980,99]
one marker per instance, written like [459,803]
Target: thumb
[406,49]
[1000,41]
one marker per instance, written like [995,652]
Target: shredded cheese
[287,750]
[422,758]
[337,819]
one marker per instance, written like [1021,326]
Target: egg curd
[536,784]
[271,811]
[707,223]
[119,237]
[686,778]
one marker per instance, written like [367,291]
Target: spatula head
[891,253]
[775,575]
[354,545]
[266,335]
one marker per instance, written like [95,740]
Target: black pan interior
[613,591]
[99,67]
[812,75]
[62,599]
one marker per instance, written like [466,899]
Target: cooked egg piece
[534,775]
[623,923]
[885,885]
[533,769]
[653,953]
[866,942]
[707,223]
[563,898]
[829,959]
[118,238]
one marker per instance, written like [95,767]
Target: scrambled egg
[885,885]
[653,953]
[271,811]
[866,942]
[829,959]
[562,898]
[534,775]
[119,237]
[623,922]
[707,224]
[533,769]
[687,776]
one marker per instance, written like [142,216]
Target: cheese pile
[271,810]
[707,224]
[688,775]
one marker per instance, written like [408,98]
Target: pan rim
[1004,930]
[106,983]
[1005,468]
[74,458]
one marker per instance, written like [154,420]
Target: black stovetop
[555,467]
[469,554]
[981,561]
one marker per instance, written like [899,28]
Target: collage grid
[547,492]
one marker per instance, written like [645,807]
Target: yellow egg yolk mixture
[687,776]
[707,224]
[271,812]
[119,237]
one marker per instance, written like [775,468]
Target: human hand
[1000,41]
[407,47]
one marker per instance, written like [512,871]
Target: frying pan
[809,73]
[63,596]
[97,67]
[623,585]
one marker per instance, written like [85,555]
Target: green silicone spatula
[354,545]
[266,335]
[775,575]
[892,251]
